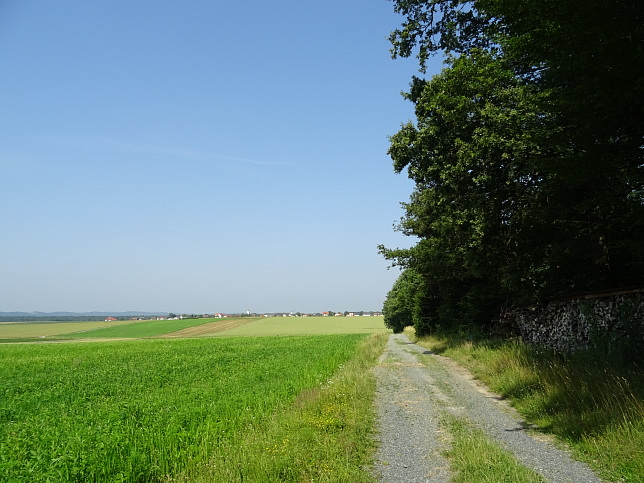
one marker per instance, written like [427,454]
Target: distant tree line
[526,154]
[56,318]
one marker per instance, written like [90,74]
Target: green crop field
[244,326]
[127,329]
[148,328]
[146,410]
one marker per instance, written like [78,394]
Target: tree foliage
[400,301]
[526,152]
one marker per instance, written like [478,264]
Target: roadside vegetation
[592,404]
[253,409]
[474,458]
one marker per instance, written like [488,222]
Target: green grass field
[149,410]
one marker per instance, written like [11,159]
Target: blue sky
[198,156]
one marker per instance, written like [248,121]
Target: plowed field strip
[207,329]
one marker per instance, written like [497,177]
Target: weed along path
[436,424]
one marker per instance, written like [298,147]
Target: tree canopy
[399,309]
[526,152]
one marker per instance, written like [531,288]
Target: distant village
[172,316]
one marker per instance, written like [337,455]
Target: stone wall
[595,320]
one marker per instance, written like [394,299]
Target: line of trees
[54,318]
[526,154]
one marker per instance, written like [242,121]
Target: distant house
[110,319]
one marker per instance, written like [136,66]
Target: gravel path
[409,399]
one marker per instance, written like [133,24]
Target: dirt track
[416,386]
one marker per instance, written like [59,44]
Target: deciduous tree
[398,308]
[526,152]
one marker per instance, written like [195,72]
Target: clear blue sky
[198,156]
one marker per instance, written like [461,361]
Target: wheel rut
[415,387]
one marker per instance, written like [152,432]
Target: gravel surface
[410,398]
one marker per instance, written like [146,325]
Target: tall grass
[584,399]
[146,411]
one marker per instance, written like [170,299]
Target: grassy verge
[595,407]
[474,459]
[325,436]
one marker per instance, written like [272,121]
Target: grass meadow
[287,408]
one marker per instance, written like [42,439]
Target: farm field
[307,326]
[148,328]
[150,410]
[186,328]
[126,329]
[15,330]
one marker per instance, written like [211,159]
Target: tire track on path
[410,397]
